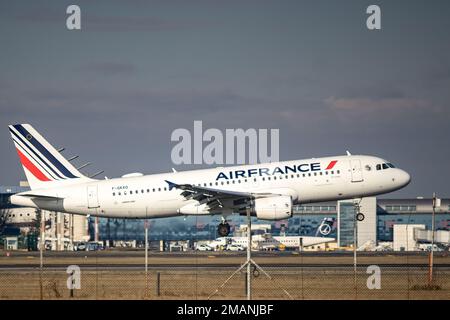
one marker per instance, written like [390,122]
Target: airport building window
[347,219]
[401,208]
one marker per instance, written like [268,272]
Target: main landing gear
[223,229]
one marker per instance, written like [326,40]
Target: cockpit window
[390,165]
[378,166]
[385,166]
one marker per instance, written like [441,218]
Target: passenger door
[356,170]
[92,196]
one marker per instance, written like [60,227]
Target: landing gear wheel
[360,217]
[223,229]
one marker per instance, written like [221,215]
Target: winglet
[171,184]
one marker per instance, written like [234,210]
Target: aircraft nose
[403,178]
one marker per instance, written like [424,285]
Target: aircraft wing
[214,197]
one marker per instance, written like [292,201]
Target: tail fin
[42,163]
[326,226]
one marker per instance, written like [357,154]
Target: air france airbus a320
[268,190]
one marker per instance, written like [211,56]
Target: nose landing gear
[360,216]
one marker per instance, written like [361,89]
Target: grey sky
[114,91]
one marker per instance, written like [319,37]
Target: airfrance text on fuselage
[305,167]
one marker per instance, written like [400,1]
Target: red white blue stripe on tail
[39,158]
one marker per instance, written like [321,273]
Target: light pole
[435,202]
[146,254]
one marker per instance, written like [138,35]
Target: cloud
[381,104]
[110,68]
[95,19]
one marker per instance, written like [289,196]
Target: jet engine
[273,208]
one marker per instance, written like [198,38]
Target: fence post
[158,283]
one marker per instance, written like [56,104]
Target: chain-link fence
[288,277]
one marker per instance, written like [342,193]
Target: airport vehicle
[203,247]
[81,246]
[235,247]
[268,190]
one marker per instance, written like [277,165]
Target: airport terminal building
[382,217]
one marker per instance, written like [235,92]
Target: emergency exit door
[356,170]
[92,196]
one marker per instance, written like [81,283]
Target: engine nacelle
[273,208]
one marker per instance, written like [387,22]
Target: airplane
[266,240]
[268,190]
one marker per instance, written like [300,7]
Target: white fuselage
[149,196]
[269,242]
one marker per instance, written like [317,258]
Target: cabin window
[114,194]
[131,192]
